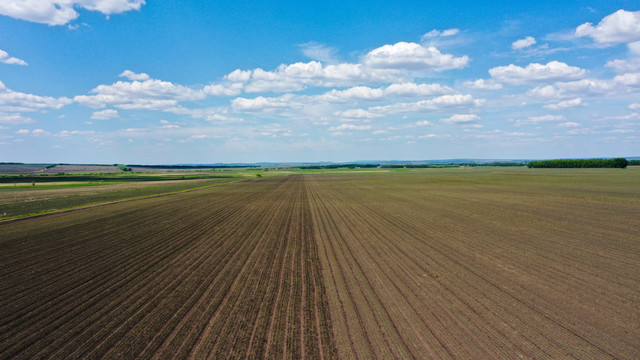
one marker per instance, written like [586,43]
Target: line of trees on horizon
[580,163]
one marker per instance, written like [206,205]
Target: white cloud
[634,106]
[483,84]
[569,124]
[40,132]
[298,76]
[567,104]
[16,101]
[262,104]
[354,93]
[620,27]
[629,79]
[625,66]
[523,43]
[585,87]
[350,127]
[438,33]
[634,47]
[423,123]
[105,114]
[319,52]
[60,12]
[412,89]
[444,101]
[149,94]
[433,136]
[231,89]
[367,93]
[552,71]
[356,114]
[5,58]
[23,132]
[412,56]
[461,119]
[133,76]
[534,120]
[14,119]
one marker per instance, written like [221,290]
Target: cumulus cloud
[620,27]
[133,76]
[569,124]
[620,84]
[413,57]
[461,119]
[60,12]
[16,101]
[552,71]
[354,93]
[625,66]
[400,90]
[319,52]
[567,104]
[105,114]
[585,87]
[5,58]
[231,89]
[444,101]
[359,114]
[350,127]
[262,104]
[483,84]
[634,106]
[534,120]
[297,76]
[523,43]
[439,33]
[415,90]
[14,119]
[150,94]
[40,132]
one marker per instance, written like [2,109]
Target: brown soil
[487,266]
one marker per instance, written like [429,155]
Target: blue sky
[129,81]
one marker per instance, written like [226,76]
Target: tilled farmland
[372,265]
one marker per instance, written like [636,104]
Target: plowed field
[436,263]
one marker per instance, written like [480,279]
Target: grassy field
[485,263]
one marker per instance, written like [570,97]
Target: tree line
[580,163]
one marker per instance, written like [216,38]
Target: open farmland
[428,263]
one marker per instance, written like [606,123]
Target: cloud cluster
[535,120]
[620,27]
[11,100]
[5,58]
[567,104]
[412,56]
[438,103]
[143,93]
[105,114]
[60,12]
[624,83]
[461,119]
[552,71]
